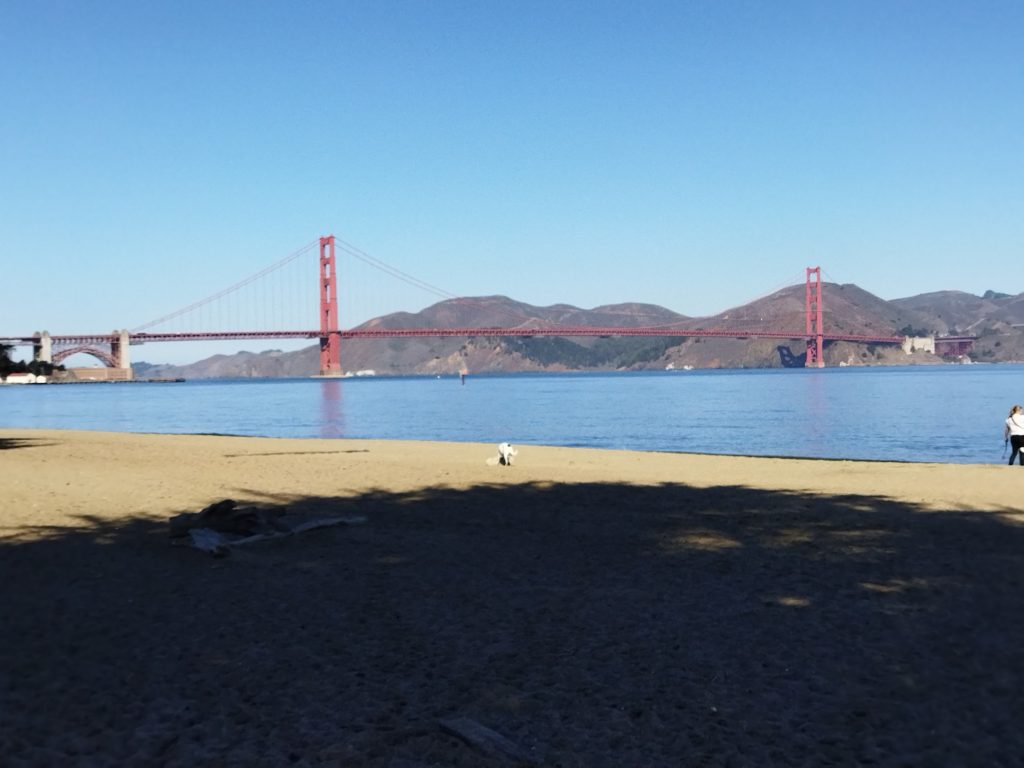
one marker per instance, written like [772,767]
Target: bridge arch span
[102,355]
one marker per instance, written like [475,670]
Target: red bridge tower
[815,342]
[330,336]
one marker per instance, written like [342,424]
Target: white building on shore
[23,378]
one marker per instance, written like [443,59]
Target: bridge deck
[523,332]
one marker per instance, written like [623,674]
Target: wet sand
[595,608]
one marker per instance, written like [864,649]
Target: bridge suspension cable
[230,289]
[271,307]
[443,294]
[395,272]
[412,280]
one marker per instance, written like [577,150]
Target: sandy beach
[594,608]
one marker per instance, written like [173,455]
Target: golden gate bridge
[112,349]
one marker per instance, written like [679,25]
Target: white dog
[505,455]
[506,452]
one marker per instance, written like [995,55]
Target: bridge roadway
[391,333]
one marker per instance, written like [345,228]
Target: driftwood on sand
[485,740]
[224,525]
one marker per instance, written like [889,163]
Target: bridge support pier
[121,353]
[330,335]
[120,350]
[42,347]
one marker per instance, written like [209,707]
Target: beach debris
[224,525]
[208,540]
[485,740]
[506,453]
[227,517]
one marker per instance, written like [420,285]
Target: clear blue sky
[690,154]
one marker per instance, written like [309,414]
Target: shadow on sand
[11,443]
[592,625]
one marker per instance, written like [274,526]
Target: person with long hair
[1014,432]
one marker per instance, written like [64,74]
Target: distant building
[23,378]
[101,374]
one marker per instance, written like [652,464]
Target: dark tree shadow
[790,360]
[11,443]
[293,453]
[593,625]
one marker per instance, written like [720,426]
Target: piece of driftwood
[485,740]
[227,517]
[220,544]
[222,526]
[208,540]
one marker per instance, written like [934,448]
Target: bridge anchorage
[112,350]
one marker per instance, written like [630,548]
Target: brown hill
[847,309]
[997,320]
[958,312]
[501,311]
[448,356]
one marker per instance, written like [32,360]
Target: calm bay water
[941,413]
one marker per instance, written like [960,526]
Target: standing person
[1014,432]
